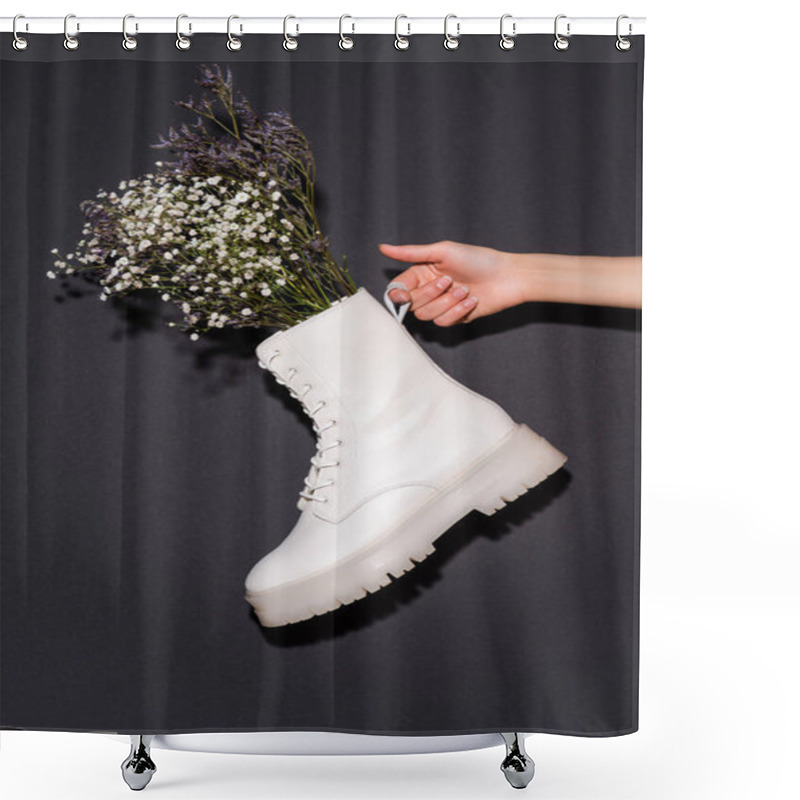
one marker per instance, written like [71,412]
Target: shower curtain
[145,472]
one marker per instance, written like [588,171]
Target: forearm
[593,280]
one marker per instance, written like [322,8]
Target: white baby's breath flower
[51,274]
[194,337]
[246,312]
[276,196]
[165,297]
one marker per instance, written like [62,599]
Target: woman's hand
[451,282]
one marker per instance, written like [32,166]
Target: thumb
[413,253]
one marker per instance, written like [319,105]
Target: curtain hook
[128,42]
[70,42]
[182,42]
[234,43]
[20,43]
[451,42]
[288,42]
[401,42]
[345,42]
[561,43]
[622,43]
[507,42]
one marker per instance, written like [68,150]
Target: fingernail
[471,301]
[460,292]
[444,282]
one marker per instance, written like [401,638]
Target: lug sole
[520,461]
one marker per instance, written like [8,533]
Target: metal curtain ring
[345,42]
[128,42]
[401,42]
[20,43]
[70,42]
[288,42]
[182,43]
[560,42]
[507,42]
[233,43]
[451,42]
[622,43]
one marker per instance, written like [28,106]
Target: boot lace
[312,481]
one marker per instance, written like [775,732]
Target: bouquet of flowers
[227,231]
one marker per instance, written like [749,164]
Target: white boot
[403,452]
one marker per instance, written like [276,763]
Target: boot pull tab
[398,315]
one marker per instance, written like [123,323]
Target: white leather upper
[401,419]
[406,428]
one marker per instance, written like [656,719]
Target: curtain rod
[406,25]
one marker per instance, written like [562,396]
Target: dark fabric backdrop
[144,474]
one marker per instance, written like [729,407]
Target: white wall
[720,549]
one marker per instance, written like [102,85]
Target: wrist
[535,275]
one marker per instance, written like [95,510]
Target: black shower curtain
[143,473]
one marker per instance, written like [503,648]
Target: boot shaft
[384,411]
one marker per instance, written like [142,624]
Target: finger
[412,278]
[429,253]
[440,303]
[429,291]
[421,281]
[457,313]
